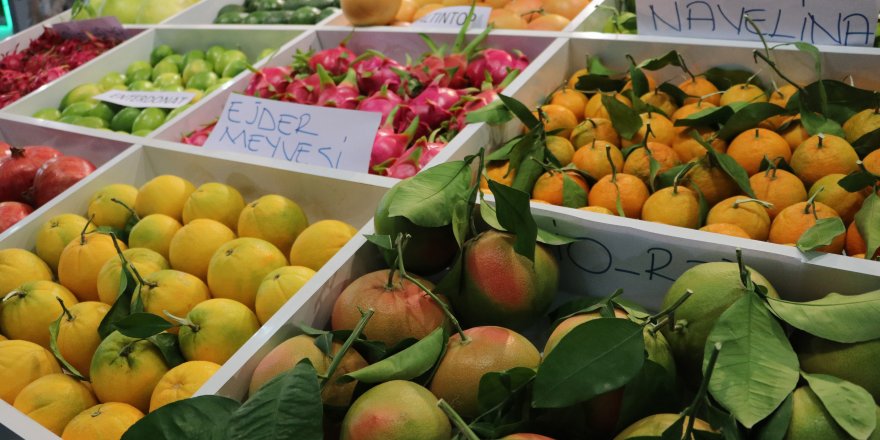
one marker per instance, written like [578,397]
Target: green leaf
[288,406]
[675,430]
[625,120]
[671,58]
[197,418]
[428,198]
[520,111]
[461,220]
[121,308]
[728,165]
[554,239]
[676,93]
[381,240]
[526,158]
[53,347]
[142,325]
[857,181]
[408,364]
[710,116]
[169,346]
[843,100]
[495,113]
[512,207]
[867,143]
[503,153]
[851,406]
[573,196]
[595,357]
[724,79]
[815,124]
[593,82]
[757,368]
[450,285]
[497,387]
[868,223]
[639,81]
[840,318]
[813,51]
[596,67]
[652,391]
[821,234]
[748,117]
[775,427]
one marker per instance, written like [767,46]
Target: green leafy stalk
[355,335]
[457,420]
[53,340]
[700,399]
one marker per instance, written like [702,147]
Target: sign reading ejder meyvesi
[311,135]
[838,22]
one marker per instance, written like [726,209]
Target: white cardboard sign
[454,17]
[146,99]
[837,23]
[311,135]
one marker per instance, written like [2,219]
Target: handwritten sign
[104,27]
[455,16]
[321,136]
[839,23]
[146,99]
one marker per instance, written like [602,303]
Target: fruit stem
[774,166]
[669,313]
[11,294]
[82,234]
[354,336]
[456,420]
[182,322]
[700,398]
[680,175]
[127,208]
[684,67]
[66,312]
[811,203]
[611,163]
[767,205]
[128,348]
[126,264]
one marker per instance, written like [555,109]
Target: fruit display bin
[205,12]
[660,253]
[322,194]
[139,48]
[395,43]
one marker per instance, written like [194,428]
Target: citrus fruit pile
[131,11]
[198,72]
[135,305]
[717,151]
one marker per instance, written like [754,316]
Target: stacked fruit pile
[131,11]
[46,58]
[716,151]
[423,103]
[197,72]
[31,176]
[140,303]
[277,12]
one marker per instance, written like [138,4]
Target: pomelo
[396,410]
[852,362]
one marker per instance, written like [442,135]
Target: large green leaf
[757,368]
[512,207]
[748,117]
[169,346]
[843,100]
[520,111]
[142,325]
[197,418]
[407,364]
[851,406]
[775,426]
[671,58]
[840,318]
[868,222]
[497,387]
[625,120]
[288,406]
[121,308]
[428,198]
[821,234]
[595,357]
[867,143]
[708,117]
[728,164]
[573,196]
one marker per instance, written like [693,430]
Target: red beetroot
[383,101]
[18,171]
[336,60]
[12,213]
[376,71]
[494,64]
[343,95]
[58,174]
[303,90]
[269,82]
[388,145]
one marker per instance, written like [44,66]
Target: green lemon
[70,119]
[176,59]
[112,79]
[80,93]
[171,88]
[264,53]
[140,75]
[199,95]
[91,122]
[173,113]
[164,67]
[202,80]
[234,68]
[214,53]
[79,108]
[101,110]
[159,53]
[124,120]
[196,66]
[48,114]
[135,66]
[168,79]
[142,133]
[142,86]
[149,119]
[193,55]
[228,57]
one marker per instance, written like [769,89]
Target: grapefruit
[396,409]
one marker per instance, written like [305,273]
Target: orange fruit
[27,311]
[193,245]
[779,187]
[81,262]
[273,218]
[407,11]
[593,159]
[638,163]
[126,370]
[689,148]
[105,421]
[106,211]
[425,10]
[549,22]
[549,186]
[661,130]
[173,291]
[872,162]
[795,133]
[855,244]
[499,172]
[278,287]
[22,362]
[751,147]
[793,221]
[660,100]
[54,400]
[181,382]
[486,349]
[630,190]
[319,242]
[507,19]
[713,182]
[596,109]
[566,8]
[570,99]
[143,260]
[688,110]
[726,229]
[154,232]
[164,194]
[597,210]
[780,97]
[239,266]
[215,201]
[822,155]
[19,266]
[397,409]
[749,214]
[219,327]
[56,234]
[743,93]
[78,336]
[846,203]
[594,129]
[676,206]
[573,79]
[656,425]
[557,117]
[700,89]
[861,124]
[527,9]
[561,149]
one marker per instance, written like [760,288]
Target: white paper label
[454,17]
[311,135]
[146,99]
[838,23]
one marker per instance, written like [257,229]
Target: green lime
[171,88]
[91,122]
[228,57]
[101,110]
[176,59]
[112,79]
[168,79]
[196,66]
[70,119]
[234,68]
[79,108]
[142,86]
[124,120]
[193,55]
[306,15]
[199,94]
[149,119]
[231,18]
[230,8]
[173,113]
[211,89]
[264,53]
[139,75]
[142,133]
[159,53]
[214,53]
[202,80]
[164,67]
[80,93]
[48,114]
[137,65]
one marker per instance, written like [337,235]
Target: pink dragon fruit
[343,95]
[388,144]
[200,136]
[432,107]
[448,70]
[406,165]
[494,64]
[336,60]
[269,82]
[303,90]
[383,101]
[471,104]
[430,146]
[375,71]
